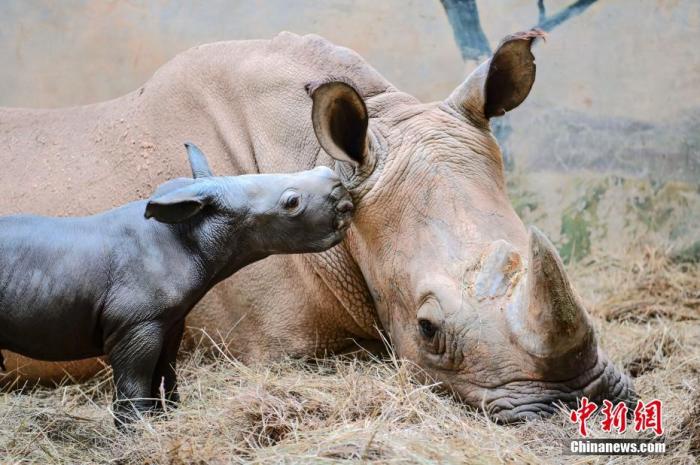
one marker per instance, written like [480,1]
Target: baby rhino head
[308,211]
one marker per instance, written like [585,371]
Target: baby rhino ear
[179,205]
[198,161]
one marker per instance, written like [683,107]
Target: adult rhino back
[436,256]
[246,103]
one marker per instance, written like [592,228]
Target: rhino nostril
[344,206]
[338,192]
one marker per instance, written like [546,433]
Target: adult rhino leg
[25,371]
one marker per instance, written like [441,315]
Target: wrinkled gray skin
[119,284]
[436,256]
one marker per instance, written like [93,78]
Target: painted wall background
[605,152]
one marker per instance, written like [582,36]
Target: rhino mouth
[519,401]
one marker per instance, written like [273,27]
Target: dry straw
[368,410]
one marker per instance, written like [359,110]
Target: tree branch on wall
[542,11]
[463,16]
[575,9]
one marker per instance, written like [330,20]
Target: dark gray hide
[121,285]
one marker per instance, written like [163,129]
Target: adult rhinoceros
[436,257]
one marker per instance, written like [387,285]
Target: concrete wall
[621,58]
[617,93]
[77,51]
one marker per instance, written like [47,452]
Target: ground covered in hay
[646,307]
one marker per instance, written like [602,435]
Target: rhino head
[464,290]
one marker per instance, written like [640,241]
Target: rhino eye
[427,328]
[291,201]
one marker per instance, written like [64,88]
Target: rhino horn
[545,314]
[198,162]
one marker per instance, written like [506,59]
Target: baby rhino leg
[134,357]
[164,376]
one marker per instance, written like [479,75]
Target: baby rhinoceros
[121,285]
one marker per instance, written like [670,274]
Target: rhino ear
[179,205]
[340,120]
[502,82]
[198,161]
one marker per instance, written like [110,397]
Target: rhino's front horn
[545,314]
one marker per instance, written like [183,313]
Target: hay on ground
[373,411]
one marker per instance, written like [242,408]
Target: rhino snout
[345,206]
[522,400]
[338,192]
[344,209]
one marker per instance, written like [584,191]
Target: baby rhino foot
[128,411]
[166,402]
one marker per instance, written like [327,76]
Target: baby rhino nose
[344,206]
